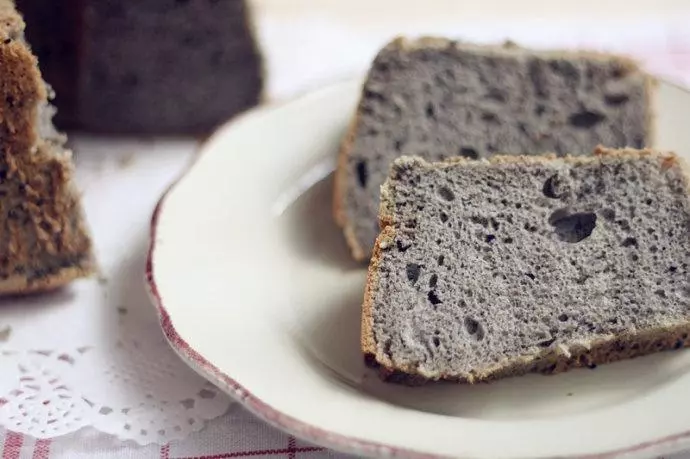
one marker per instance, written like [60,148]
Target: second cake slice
[435,99]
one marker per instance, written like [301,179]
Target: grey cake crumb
[529,264]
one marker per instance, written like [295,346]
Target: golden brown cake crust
[549,361]
[43,239]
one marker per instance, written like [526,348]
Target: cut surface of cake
[491,268]
[436,99]
[44,242]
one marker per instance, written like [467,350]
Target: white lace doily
[94,354]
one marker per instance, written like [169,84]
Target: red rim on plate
[273,416]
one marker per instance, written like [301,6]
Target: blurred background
[181,67]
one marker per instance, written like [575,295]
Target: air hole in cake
[496,94]
[446,193]
[563,317]
[616,99]
[489,117]
[629,242]
[430,111]
[623,224]
[362,173]
[412,270]
[444,217]
[480,221]
[474,328]
[539,110]
[436,340]
[555,187]
[585,119]
[383,67]
[619,72]
[547,343]
[469,153]
[538,78]
[433,298]
[402,245]
[373,94]
[490,238]
[573,228]
[433,280]
[565,68]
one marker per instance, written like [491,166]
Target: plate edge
[286,422]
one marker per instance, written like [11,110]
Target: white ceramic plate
[257,292]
